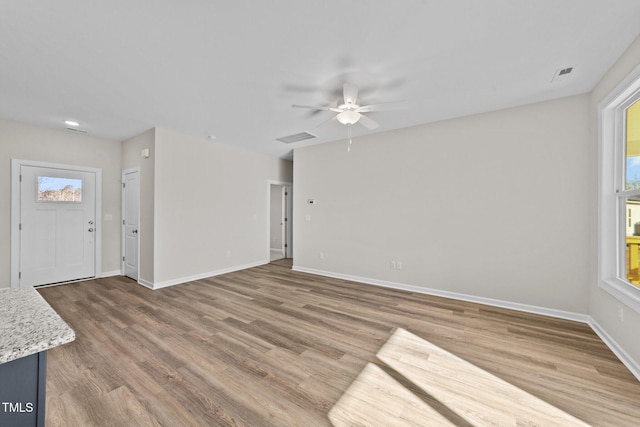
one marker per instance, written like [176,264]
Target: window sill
[623,292]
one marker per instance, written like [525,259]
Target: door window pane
[56,189]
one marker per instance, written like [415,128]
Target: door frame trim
[288,213]
[16,164]
[122,236]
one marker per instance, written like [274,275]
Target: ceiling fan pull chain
[349,135]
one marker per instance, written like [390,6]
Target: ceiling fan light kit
[350,113]
[348,117]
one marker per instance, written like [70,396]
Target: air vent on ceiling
[76,130]
[297,137]
[562,74]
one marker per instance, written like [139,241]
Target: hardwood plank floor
[269,346]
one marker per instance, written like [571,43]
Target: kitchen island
[28,328]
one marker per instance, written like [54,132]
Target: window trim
[611,122]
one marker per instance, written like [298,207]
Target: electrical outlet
[621,313]
[399,265]
[393,265]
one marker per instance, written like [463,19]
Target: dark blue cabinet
[22,391]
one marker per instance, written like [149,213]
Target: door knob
[91,230]
[134,232]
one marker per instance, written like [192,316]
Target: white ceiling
[234,68]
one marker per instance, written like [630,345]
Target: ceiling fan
[350,113]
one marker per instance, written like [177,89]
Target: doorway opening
[280,228]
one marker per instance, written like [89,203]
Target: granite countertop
[28,324]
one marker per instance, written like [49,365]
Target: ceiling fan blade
[317,107]
[367,122]
[330,119]
[350,93]
[385,106]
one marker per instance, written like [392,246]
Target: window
[56,189]
[619,196]
[632,200]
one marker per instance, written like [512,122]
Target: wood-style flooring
[269,346]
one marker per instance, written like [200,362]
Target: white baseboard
[172,282]
[616,349]
[145,283]
[110,273]
[453,295]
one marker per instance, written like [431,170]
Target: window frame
[612,193]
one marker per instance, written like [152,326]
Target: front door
[57,225]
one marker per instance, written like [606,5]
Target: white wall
[494,206]
[603,307]
[210,206]
[22,141]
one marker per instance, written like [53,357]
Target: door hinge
[20,275]
[286,194]
[124,185]
[286,246]
[20,177]
[20,227]
[122,259]
[123,222]
[286,219]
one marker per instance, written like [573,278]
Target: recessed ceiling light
[71,123]
[212,137]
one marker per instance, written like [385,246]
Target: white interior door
[279,216]
[287,209]
[276,222]
[57,225]
[130,222]
[283,220]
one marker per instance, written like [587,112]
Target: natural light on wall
[632,182]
